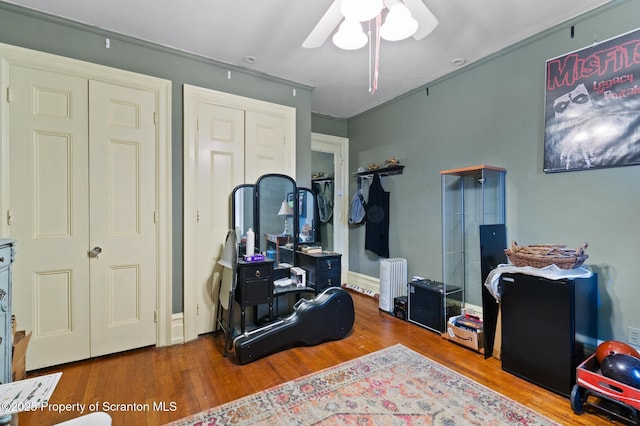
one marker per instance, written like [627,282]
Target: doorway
[332,156]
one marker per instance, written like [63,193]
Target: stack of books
[311,249]
[469,322]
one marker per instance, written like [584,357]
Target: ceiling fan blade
[324,27]
[427,21]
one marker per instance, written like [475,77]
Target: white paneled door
[219,167]
[82,196]
[122,217]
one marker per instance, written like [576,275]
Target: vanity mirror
[276,210]
[308,217]
[243,212]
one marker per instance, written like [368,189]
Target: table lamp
[286,211]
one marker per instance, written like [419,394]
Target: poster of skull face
[592,106]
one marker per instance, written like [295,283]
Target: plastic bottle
[251,241]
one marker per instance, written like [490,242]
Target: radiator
[393,282]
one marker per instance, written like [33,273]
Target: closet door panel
[219,168]
[267,148]
[122,165]
[49,184]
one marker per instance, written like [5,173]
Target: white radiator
[393,281]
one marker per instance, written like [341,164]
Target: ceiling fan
[417,21]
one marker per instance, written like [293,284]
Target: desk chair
[224,312]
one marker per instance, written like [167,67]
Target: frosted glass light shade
[399,23]
[350,35]
[361,10]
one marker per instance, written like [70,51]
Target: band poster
[592,106]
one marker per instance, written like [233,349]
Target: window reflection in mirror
[243,211]
[308,217]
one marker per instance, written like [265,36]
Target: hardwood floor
[188,378]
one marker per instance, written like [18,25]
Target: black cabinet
[254,286]
[548,328]
[323,269]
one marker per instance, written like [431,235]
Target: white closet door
[49,184]
[79,306]
[229,140]
[219,168]
[123,199]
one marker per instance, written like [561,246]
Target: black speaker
[400,307]
[426,301]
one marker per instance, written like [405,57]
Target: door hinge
[197,309]
[155,216]
[155,117]
[155,315]
[9,94]
[197,216]
[9,217]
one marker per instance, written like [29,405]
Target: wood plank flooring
[184,379]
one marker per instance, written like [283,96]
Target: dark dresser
[323,269]
[254,286]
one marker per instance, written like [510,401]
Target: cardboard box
[18,365]
[472,339]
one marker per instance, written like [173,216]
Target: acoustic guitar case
[329,316]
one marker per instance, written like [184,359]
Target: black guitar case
[329,316]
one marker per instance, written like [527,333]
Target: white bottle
[251,241]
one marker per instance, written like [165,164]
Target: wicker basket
[541,255]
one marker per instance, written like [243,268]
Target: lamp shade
[350,35]
[399,23]
[285,210]
[360,10]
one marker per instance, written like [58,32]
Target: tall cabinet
[471,196]
[7,250]
[548,327]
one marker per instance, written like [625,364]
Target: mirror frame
[294,190]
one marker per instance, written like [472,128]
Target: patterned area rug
[394,386]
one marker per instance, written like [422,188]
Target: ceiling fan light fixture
[350,36]
[399,23]
[360,10]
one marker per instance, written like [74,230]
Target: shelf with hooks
[383,171]
[322,179]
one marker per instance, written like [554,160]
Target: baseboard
[366,282]
[177,328]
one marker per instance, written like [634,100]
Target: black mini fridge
[548,328]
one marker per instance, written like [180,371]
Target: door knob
[94,252]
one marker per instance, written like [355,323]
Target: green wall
[24,28]
[492,113]
[329,125]
[487,113]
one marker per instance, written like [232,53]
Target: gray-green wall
[492,113]
[487,113]
[24,28]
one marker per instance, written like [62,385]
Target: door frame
[339,147]
[162,89]
[191,96]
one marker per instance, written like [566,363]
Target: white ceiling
[272,31]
